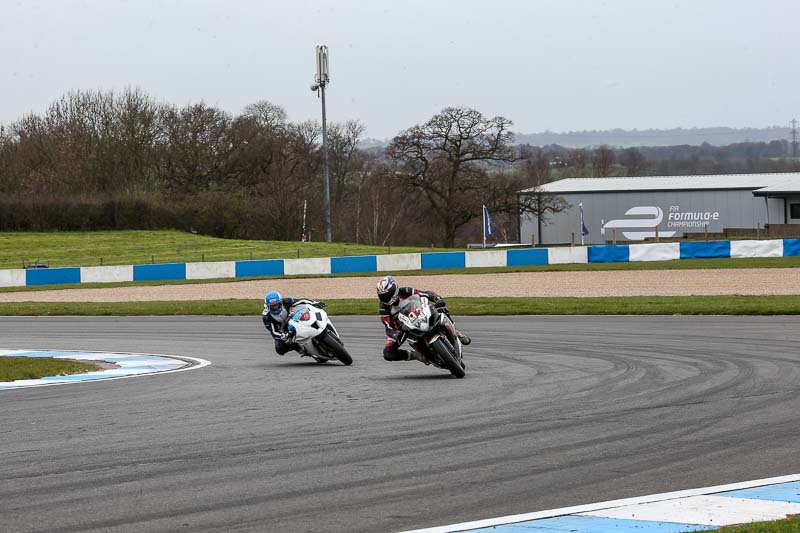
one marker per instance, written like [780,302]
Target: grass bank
[90,248]
[636,305]
[789,525]
[14,368]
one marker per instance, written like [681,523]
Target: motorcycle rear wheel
[333,345]
[446,352]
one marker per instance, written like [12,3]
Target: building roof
[760,184]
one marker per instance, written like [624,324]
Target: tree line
[122,160]
[554,162]
[106,160]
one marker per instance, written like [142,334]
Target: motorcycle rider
[390,296]
[275,317]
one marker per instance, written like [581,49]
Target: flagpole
[582,225]
[483,211]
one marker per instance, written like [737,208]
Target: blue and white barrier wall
[611,253]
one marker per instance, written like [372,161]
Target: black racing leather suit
[278,328]
[394,333]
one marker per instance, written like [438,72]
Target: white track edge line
[200,363]
[511,519]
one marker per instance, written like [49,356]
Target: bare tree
[197,146]
[447,160]
[602,161]
[633,161]
[536,165]
[342,151]
[578,159]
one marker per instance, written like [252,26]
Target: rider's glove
[321,304]
[440,303]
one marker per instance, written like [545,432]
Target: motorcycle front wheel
[332,344]
[446,353]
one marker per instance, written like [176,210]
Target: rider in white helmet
[275,317]
[390,295]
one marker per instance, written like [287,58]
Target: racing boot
[465,340]
[416,356]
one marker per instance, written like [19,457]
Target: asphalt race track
[554,411]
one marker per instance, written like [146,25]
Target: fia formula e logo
[655,214]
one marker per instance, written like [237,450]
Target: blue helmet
[273,302]
[388,291]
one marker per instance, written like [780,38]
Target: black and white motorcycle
[312,330]
[431,333]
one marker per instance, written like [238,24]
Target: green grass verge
[14,368]
[789,525]
[76,248]
[637,305]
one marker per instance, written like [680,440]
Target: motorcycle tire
[445,352]
[333,345]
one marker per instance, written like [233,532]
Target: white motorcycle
[431,333]
[310,328]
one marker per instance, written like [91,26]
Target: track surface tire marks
[554,411]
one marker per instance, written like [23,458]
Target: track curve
[554,411]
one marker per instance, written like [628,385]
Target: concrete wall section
[52,276]
[259,267]
[363,263]
[165,271]
[398,262]
[485,258]
[443,260]
[297,267]
[705,250]
[567,255]
[219,269]
[666,251]
[533,256]
[107,274]
[612,253]
[12,278]
[773,248]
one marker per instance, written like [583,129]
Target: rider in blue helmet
[275,317]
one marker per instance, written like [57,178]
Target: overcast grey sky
[560,65]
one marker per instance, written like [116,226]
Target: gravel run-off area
[745,281]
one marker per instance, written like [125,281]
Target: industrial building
[667,207]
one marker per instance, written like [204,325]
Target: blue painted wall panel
[609,253]
[52,276]
[705,250]
[526,257]
[159,272]
[443,260]
[791,247]
[259,267]
[364,263]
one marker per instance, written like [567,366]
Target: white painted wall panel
[295,267]
[397,262]
[107,274]
[658,251]
[217,269]
[12,278]
[568,254]
[485,258]
[771,248]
